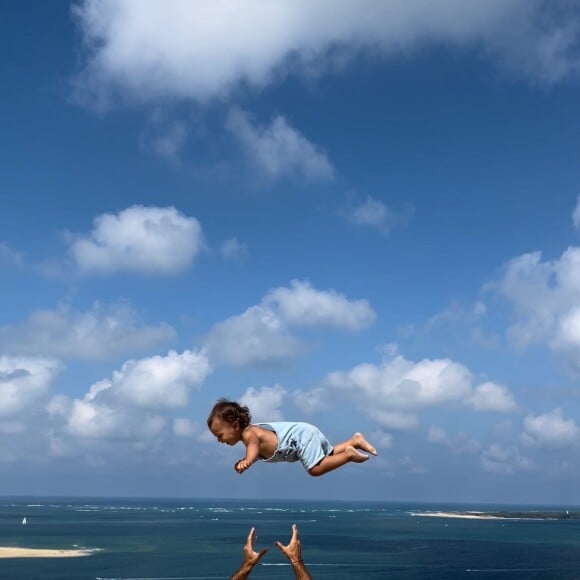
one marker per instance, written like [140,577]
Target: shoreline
[458,515]
[11,552]
[477,515]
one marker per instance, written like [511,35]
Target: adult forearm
[242,573]
[300,571]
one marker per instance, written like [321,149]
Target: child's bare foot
[359,442]
[355,455]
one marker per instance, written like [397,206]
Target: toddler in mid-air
[276,441]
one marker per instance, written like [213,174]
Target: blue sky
[363,215]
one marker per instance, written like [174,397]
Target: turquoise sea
[195,539]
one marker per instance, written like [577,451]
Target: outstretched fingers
[251,555]
[292,551]
[251,539]
[294,534]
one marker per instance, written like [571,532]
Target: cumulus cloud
[145,240]
[99,333]
[161,381]
[24,381]
[265,403]
[131,404]
[492,397]
[392,392]
[545,296]
[278,149]
[550,430]
[143,50]
[303,305]
[101,421]
[261,335]
[375,214]
[256,337]
[502,460]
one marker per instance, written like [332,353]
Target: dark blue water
[194,539]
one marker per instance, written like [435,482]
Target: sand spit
[541,515]
[461,515]
[9,552]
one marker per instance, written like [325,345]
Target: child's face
[225,432]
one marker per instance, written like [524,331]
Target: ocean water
[203,539]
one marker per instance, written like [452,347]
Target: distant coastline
[500,515]
[11,552]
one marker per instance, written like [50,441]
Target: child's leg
[358,442]
[335,460]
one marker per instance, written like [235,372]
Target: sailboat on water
[24,522]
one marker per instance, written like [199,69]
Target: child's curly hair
[230,411]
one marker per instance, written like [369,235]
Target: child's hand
[242,465]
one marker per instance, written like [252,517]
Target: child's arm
[252,442]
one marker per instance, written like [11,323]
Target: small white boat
[24,522]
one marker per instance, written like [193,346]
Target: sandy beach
[461,515]
[9,552]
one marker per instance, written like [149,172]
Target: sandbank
[461,515]
[10,552]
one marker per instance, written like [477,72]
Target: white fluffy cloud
[265,403]
[99,333]
[147,50]
[130,404]
[303,305]
[391,393]
[101,421]
[146,240]
[550,430]
[278,149]
[255,337]
[23,381]
[492,397]
[545,296]
[261,334]
[161,381]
